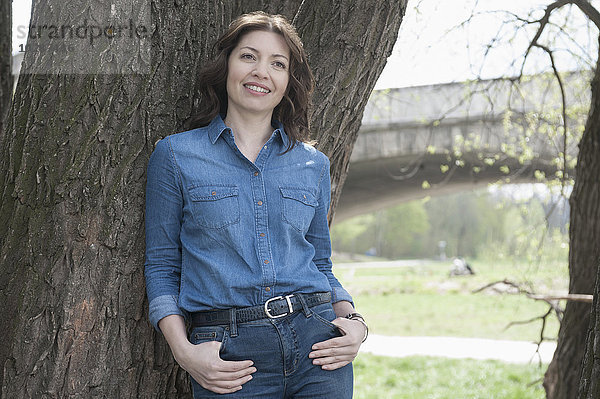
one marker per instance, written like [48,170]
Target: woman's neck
[250,132]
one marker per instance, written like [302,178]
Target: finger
[333,358]
[334,366]
[333,343]
[228,385]
[220,390]
[331,355]
[233,366]
[232,375]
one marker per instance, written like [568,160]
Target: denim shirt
[224,232]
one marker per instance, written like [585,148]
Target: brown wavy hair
[292,111]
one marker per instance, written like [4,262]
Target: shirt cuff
[163,306]
[339,294]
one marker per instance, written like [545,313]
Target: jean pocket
[325,315]
[215,206]
[200,335]
[298,207]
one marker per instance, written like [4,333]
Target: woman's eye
[247,56]
[279,64]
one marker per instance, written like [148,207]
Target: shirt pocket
[298,207]
[215,206]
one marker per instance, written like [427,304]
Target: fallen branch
[569,297]
[551,300]
[539,297]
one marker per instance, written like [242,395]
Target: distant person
[460,267]
[237,239]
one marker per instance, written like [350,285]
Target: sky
[433,47]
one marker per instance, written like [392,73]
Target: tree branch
[538,297]
[589,10]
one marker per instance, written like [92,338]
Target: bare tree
[562,379]
[72,176]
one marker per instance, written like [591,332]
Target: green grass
[436,378]
[423,300]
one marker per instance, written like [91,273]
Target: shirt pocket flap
[212,193]
[299,194]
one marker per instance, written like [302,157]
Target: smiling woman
[257,79]
[237,237]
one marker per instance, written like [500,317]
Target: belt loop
[233,323]
[305,308]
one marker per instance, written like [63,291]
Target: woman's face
[257,73]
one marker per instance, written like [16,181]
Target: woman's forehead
[266,42]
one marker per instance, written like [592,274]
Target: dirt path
[460,348]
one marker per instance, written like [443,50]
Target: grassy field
[422,300]
[436,378]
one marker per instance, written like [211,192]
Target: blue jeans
[279,349]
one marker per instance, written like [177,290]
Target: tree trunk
[586,197]
[6,81]
[564,372]
[589,385]
[72,177]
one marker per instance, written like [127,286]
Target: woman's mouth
[257,88]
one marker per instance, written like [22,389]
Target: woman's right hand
[204,364]
[202,361]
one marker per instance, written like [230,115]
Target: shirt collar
[281,131]
[217,127]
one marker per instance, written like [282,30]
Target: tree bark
[6,80]
[72,176]
[589,385]
[586,199]
[564,372]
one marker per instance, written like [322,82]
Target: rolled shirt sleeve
[164,206]
[318,235]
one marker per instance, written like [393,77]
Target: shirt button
[266,261]
[267,289]
[213,193]
[262,234]
[259,203]
[255,173]
[265,147]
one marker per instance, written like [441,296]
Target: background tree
[549,33]
[589,385]
[72,176]
[564,372]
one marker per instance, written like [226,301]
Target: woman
[237,240]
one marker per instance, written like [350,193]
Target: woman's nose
[260,70]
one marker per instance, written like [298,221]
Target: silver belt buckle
[289,303]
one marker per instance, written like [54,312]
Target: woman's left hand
[338,352]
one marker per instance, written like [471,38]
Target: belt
[274,308]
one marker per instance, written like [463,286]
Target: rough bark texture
[564,372]
[589,385]
[346,42]
[72,175]
[6,82]
[586,200]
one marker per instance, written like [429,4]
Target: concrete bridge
[438,139]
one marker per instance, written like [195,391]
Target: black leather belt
[274,308]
